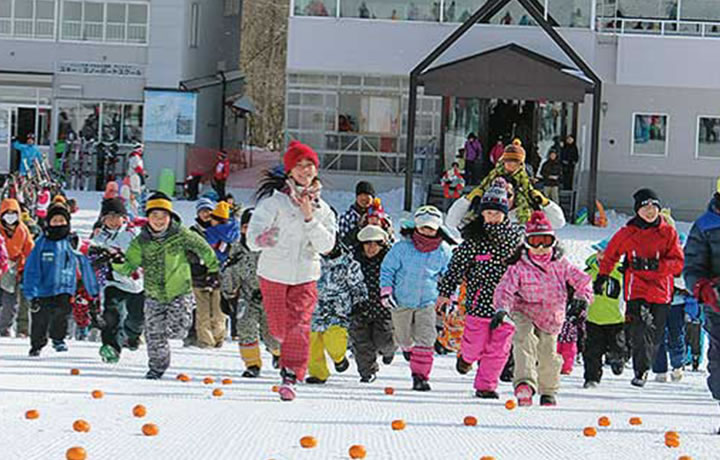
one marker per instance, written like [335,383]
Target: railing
[668,27]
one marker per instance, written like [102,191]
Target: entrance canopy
[508,72]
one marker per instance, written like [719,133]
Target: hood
[9,204]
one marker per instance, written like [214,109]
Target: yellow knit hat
[221,211]
[159,200]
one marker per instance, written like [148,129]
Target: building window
[194,24]
[708,137]
[650,134]
[112,122]
[232,8]
[27,18]
[104,21]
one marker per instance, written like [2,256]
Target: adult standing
[569,156]
[221,174]
[28,154]
[474,160]
[291,227]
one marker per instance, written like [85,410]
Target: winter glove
[706,292]
[577,307]
[692,309]
[35,305]
[212,280]
[538,198]
[96,318]
[599,284]
[268,238]
[444,305]
[643,264]
[501,316]
[386,298]
[257,296]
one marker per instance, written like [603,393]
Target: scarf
[642,224]
[296,192]
[202,223]
[424,243]
[541,259]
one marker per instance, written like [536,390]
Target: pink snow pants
[289,309]
[568,351]
[490,348]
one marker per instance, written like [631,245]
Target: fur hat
[296,152]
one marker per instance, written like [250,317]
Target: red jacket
[222,170]
[660,242]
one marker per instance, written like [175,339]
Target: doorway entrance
[16,122]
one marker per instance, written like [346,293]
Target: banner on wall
[170,116]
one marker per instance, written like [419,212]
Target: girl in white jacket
[291,227]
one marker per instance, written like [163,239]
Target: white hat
[428,216]
[372,233]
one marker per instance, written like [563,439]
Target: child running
[19,244]
[408,287]
[480,261]
[533,292]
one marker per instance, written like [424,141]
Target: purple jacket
[473,150]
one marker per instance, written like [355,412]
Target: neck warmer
[424,243]
[541,259]
[202,223]
[58,232]
[641,223]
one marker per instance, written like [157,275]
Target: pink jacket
[539,291]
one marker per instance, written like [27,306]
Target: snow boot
[483,394]
[251,372]
[677,374]
[387,360]
[276,361]
[368,378]
[342,366]
[696,363]
[406,355]
[639,380]
[589,385]
[548,401]
[617,367]
[152,374]
[462,366]
[439,348]
[314,381]
[59,346]
[81,333]
[420,384]
[34,352]
[133,344]
[524,395]
[109,354]
[287,388]
[661,377]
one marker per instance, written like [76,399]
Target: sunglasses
[535,241]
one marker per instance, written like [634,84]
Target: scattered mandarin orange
[97,394]
[470,421]
[217,392]
[208,380]
[590,431]
[357,451]
[81,426]
[32,414]
[76,453]
[227,381]
[139,411]
[389,390]
[150,429]
[74,371]
[604,421]
[672,442]
[308,442]
[510,404]
[398,425]
[635,421]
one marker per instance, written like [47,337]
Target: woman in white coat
[291,226]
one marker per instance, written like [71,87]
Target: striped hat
[159,201]
[204,203]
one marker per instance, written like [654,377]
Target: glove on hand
[501,317]
[386,298]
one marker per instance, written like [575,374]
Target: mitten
[386,298]
[538,198]
[501,316]
[599,284]
[706,292]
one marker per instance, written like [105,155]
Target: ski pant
[490,348]
[693,341]
[712,327]
[23,324]
[164,321]
[568,351]
[251,326]
[49,315]
[8,310]
[124,317]
[334,341]
[647,327]
[289,310]
[210,328]
[414,330]
[606,339]
[537,363]
[219,186]
[552,192]
[672,342]
[229,307]
[371,337]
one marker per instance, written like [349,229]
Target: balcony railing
[667,27]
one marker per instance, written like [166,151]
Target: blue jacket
[52,269]
[28,154]
[220,237]
[702,250]
[414,275]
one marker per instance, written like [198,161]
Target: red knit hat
[296,152]
[539,225]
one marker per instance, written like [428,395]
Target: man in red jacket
[653,257]
[222,172]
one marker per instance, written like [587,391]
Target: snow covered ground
[249,422]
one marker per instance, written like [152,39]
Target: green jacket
[607,308]
[165,263]
[523,187]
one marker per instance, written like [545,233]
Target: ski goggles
[535,241]
[649,201]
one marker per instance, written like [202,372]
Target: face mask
[58,232]
[10,218]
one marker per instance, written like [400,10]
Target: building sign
[169,116]
[101,69]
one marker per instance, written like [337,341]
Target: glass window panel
[132,123]
[293,98]
[397,10]
[5,8]
[512,14]
[72,11]
[348,162]
[115,27]
[350,80]
[708,142]
[137,14]
[700,10]
[44,119]
[571,13]
[5,26]
[94,12]
[649,134]
[87,118]
[312,99]
[23,9]
[111,122]
[45,9]
[293,119]
[655,9]
[115,12]
[315,8]
[311,120]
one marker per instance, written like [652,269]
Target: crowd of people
[306,283]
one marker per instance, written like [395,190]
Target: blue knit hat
[205,203]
